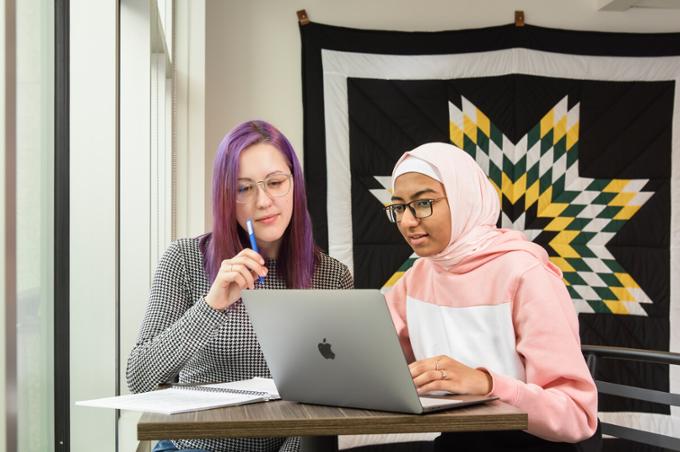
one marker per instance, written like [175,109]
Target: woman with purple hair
[196,328]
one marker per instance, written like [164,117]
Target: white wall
[93,220]
[252,61]
[189,139]
[134,193]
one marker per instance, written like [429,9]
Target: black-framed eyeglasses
[275,185]
[420,208]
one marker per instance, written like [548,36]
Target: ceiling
[624,5]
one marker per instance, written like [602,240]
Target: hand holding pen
[234,275]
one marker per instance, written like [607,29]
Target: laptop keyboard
[429,402]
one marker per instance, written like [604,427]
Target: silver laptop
[340,348]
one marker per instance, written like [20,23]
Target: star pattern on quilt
[543,195]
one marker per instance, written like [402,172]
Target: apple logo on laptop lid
[325,349]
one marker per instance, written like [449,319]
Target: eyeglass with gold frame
[275,185]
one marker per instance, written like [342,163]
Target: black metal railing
[593,353]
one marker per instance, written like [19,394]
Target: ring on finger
[444,375]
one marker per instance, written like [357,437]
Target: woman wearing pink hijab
[483,311]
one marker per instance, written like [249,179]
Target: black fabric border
[575,42]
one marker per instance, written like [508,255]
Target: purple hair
[298,252]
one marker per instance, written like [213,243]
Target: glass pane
[35,218]
[5,263]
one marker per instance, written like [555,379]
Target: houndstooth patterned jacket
[182,336]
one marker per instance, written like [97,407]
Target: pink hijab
[474,205]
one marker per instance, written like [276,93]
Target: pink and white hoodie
[493,300]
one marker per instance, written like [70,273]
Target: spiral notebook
[185,398]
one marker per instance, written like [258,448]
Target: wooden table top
[283,418]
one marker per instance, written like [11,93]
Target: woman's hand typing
[443,373]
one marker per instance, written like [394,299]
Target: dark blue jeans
[167,446]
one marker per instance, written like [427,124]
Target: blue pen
[253,243]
